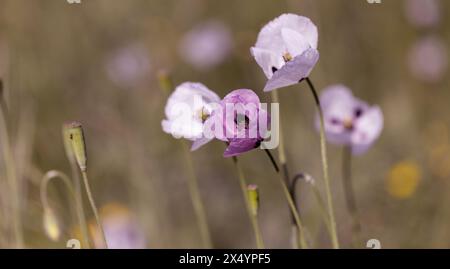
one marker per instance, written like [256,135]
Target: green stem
[94,208]
[283,162]
[196,199]
[253,218]
[292,206]
[349,193]
[44,197]
[323,151]
[13,183]
[79,202]
[317,195]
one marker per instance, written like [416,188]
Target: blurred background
[97,62]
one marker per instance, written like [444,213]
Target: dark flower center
[358,112]
[240,119]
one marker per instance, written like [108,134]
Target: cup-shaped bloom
[286,50]
[348,120]
[241,121]
[187,109]
[206,45]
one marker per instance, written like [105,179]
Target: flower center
[287,57]
[242,120]
[348,124]
[203,114]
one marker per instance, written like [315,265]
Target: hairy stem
[66,180]
[196,199]
[94,208]
[283,162]
[324,157]
[79,202]
[292,206]
[14,186]
[253,219]
[350,193]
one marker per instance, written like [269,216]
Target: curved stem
[283,162]
[290,201]
[53,174]
[44,197]
[350,193]
[323,151]
[12,179]
[196,199]
[253,219]
[318,196]
[94,207]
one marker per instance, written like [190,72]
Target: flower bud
[253,198]
[67,142]
[51,225]
[75,133]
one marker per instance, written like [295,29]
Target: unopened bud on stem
[51,225]
[253,197]
[74,131]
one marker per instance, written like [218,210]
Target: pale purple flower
[187,109]
[206,45]
[121,229]
[423,13]
[286,50]
[428,59]
[348,120]
[242,120]
[128,66]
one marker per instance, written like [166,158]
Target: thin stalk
[196,198]
[323,151]
[66,180]
[79,202]
[292,206]
[317,195]
[94,207]
[13,183]
[253,218]
[349,193]
[283,162]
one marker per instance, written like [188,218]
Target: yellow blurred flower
[403,180]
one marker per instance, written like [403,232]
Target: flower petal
[295,42]
[270,35]
[184,110]
[239,146]
[293,71]
[367,129]
[199,143]
[268,61]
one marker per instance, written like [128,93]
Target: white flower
[206,45]
[187,109]
[286,50]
